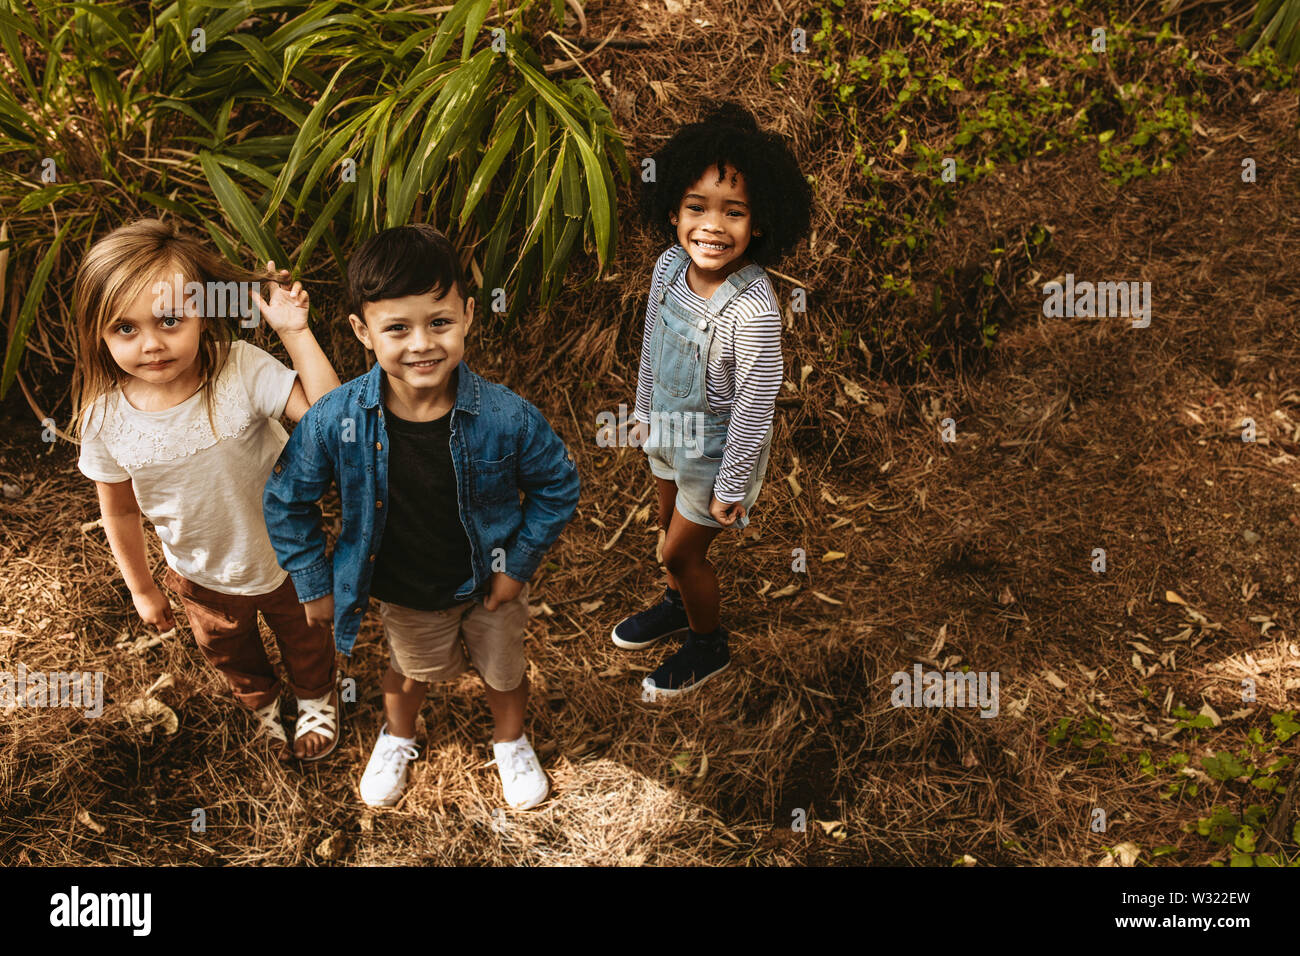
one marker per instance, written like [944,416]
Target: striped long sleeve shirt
[744,372]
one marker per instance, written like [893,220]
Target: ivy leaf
[1223,766]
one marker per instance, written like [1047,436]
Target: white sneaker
[385,777]
[522,779]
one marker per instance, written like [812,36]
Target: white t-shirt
[203,492]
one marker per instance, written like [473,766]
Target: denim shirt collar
[467,388]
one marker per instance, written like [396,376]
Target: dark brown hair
[402,261]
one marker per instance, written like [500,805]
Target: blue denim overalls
[687,438]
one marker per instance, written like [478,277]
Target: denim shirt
[500,444]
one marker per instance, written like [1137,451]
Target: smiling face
[155,338]
[418,340]
[714,222]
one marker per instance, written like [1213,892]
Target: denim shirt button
[372,557]
[379,504]
[703,325]
[356,610]
[379,446]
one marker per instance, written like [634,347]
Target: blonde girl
[178,421]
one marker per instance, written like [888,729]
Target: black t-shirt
[425,554]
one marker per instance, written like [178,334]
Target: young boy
[430,460]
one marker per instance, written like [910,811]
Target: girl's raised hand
[286,312]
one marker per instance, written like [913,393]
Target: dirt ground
[1076,434]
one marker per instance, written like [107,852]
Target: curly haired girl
[731,199]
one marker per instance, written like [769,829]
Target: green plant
[1092,735]
[1256,765]
[916,81]
[1192,722]
[1276,22]
[290,125]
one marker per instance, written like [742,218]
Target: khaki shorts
[426,645]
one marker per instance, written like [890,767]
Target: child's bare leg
[667,505]
[507,708]
[402,700]
[685,554]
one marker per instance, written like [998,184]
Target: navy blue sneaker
[665,619]
[699,658]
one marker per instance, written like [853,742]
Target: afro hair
[728,136]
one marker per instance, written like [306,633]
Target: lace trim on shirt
[136,442]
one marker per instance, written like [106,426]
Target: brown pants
[225,628]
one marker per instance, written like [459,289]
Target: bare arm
[125,533]
[286,312]
[316,375]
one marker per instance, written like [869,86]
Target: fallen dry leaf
[332,847]
[1127,853]
[165,682]
[939,641]
[854,391]
[153,713]
[835,829]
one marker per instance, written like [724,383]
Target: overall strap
[733,285]
[680,260]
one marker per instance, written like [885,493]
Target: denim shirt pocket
[494,482]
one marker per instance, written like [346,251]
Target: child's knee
[679,560]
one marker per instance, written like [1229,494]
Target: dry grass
[1080,433]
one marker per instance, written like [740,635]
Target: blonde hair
[117,269]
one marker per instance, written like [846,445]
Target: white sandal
[319,716]
[269,725]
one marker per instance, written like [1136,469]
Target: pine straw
[1077,436]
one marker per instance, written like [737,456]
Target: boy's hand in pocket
[504,588]
[320,612]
